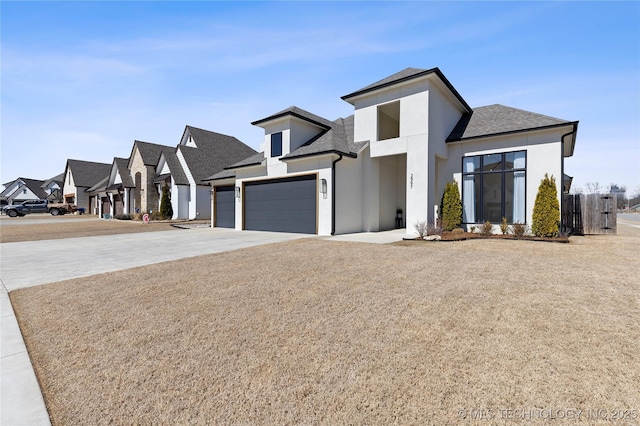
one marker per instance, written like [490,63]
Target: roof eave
[291,113]
[243,166]
[435,71]
[511,132]
[315,154]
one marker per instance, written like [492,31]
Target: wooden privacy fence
[585,214]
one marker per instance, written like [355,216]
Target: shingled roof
[123,170]
[87,173]
[100,186]
[59,179]
[334,137]
[406,75]
[150,152]
[214,152]
[177,172]
[498,119]
[338,139]
[34,185]
[299,113]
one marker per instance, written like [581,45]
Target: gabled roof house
[79,176]
[199,154]
[22,189]
[112,194]
[53,188]
[386,165]
[142,165]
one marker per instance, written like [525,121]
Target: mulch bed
[463,236]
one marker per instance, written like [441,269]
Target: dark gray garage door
[283,205]
[225,207]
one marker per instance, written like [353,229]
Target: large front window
[493,187]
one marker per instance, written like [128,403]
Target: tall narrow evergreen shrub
[166,211]
[451,207]
[546,210]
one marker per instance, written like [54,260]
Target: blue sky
[83,80]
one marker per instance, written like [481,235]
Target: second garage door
[282,205]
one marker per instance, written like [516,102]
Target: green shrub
[166,211]
[546,209]
[486,229]
[451,207]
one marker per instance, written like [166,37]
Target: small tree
[166,211]
[546,210]
[451,207]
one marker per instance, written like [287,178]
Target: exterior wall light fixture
[238,192]
[323,188]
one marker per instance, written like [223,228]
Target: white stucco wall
[350,193]
[544,151]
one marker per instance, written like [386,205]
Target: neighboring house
[386,166]
[53,188]
[79,176]
[22,189]
[200,154]
[113,195]
[170,172]
[142,168]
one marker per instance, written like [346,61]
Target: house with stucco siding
[386,166]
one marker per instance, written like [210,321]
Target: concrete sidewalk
[40,262]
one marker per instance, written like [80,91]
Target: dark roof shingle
[299,113]
[177,172]
[150,152]
[34,185]
[214,152]
[123,170]
[406,75]
[498,119]
[338,139]
[88,173]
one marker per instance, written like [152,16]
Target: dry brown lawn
[85,228]
[316,331]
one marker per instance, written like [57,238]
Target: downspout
[333,194]
[562,225]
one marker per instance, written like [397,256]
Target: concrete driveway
[31,263]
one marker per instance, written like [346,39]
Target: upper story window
[389,121]
[276,144]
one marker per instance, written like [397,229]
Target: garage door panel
[225,207]
[285,205]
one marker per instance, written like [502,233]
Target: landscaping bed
[463,236]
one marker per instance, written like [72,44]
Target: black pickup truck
[37,206]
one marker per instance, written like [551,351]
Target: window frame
[279,134]
[389,109]
[480,172]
